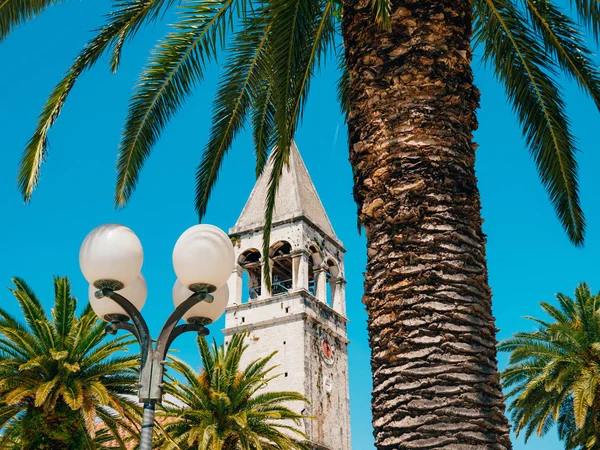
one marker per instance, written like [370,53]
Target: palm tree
[407,88]
[59,377]
[554,372]
[224,407]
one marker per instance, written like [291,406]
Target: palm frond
[176,66]
[32,310]
[14,13]
[381,10]
[527,71]
[563,38]
[122,23]
[279,158]
[244,73]
[302,33]
[147,11]
[343,87]
[264,133]
[64,308]
[554,373]
[589,14]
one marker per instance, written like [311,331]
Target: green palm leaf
[589,14]
[565,41]
[44,391]
[302,33]
[56,374]
[64,310]
[343,88]
[176,65]
[244,72]
[16,12]
[554,373]
[527,72]
[381,10]
[263,124]
[123,23]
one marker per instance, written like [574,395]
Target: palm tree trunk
[432,334]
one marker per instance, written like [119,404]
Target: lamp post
[111,259]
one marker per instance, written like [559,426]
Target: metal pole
[153,357]
[147,425]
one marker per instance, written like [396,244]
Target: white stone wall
[326,386]
[292,325]
[283,339]
[282,309]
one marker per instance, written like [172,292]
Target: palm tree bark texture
[431,330]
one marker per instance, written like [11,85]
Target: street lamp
[111,258]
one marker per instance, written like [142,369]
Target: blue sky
[530,257]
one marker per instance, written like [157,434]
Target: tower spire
[296,198]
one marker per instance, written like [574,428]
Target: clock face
[327,350]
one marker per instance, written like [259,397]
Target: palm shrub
[60,379]
[225,407]
[103,440]
[553,375]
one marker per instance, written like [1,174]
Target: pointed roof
[296,198]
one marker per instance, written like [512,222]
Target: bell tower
[303,316]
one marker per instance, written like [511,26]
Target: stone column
[338,294]
[321,282]
[300,261]
[332,287]
[234,284]
[264,292]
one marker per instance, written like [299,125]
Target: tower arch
[250,263]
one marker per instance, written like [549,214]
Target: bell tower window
[281,259]
[249,261]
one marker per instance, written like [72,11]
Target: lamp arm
[113,327]
[169,332]
[142,333]
[184,328]
[143,336]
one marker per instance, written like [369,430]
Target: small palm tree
[60,381]
[554,372]
[223,408]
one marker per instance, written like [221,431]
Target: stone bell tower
[303,316]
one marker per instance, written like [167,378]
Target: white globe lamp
[111,256]
[203,312]
[203,258]
[107,309]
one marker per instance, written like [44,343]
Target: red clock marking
[327,349]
